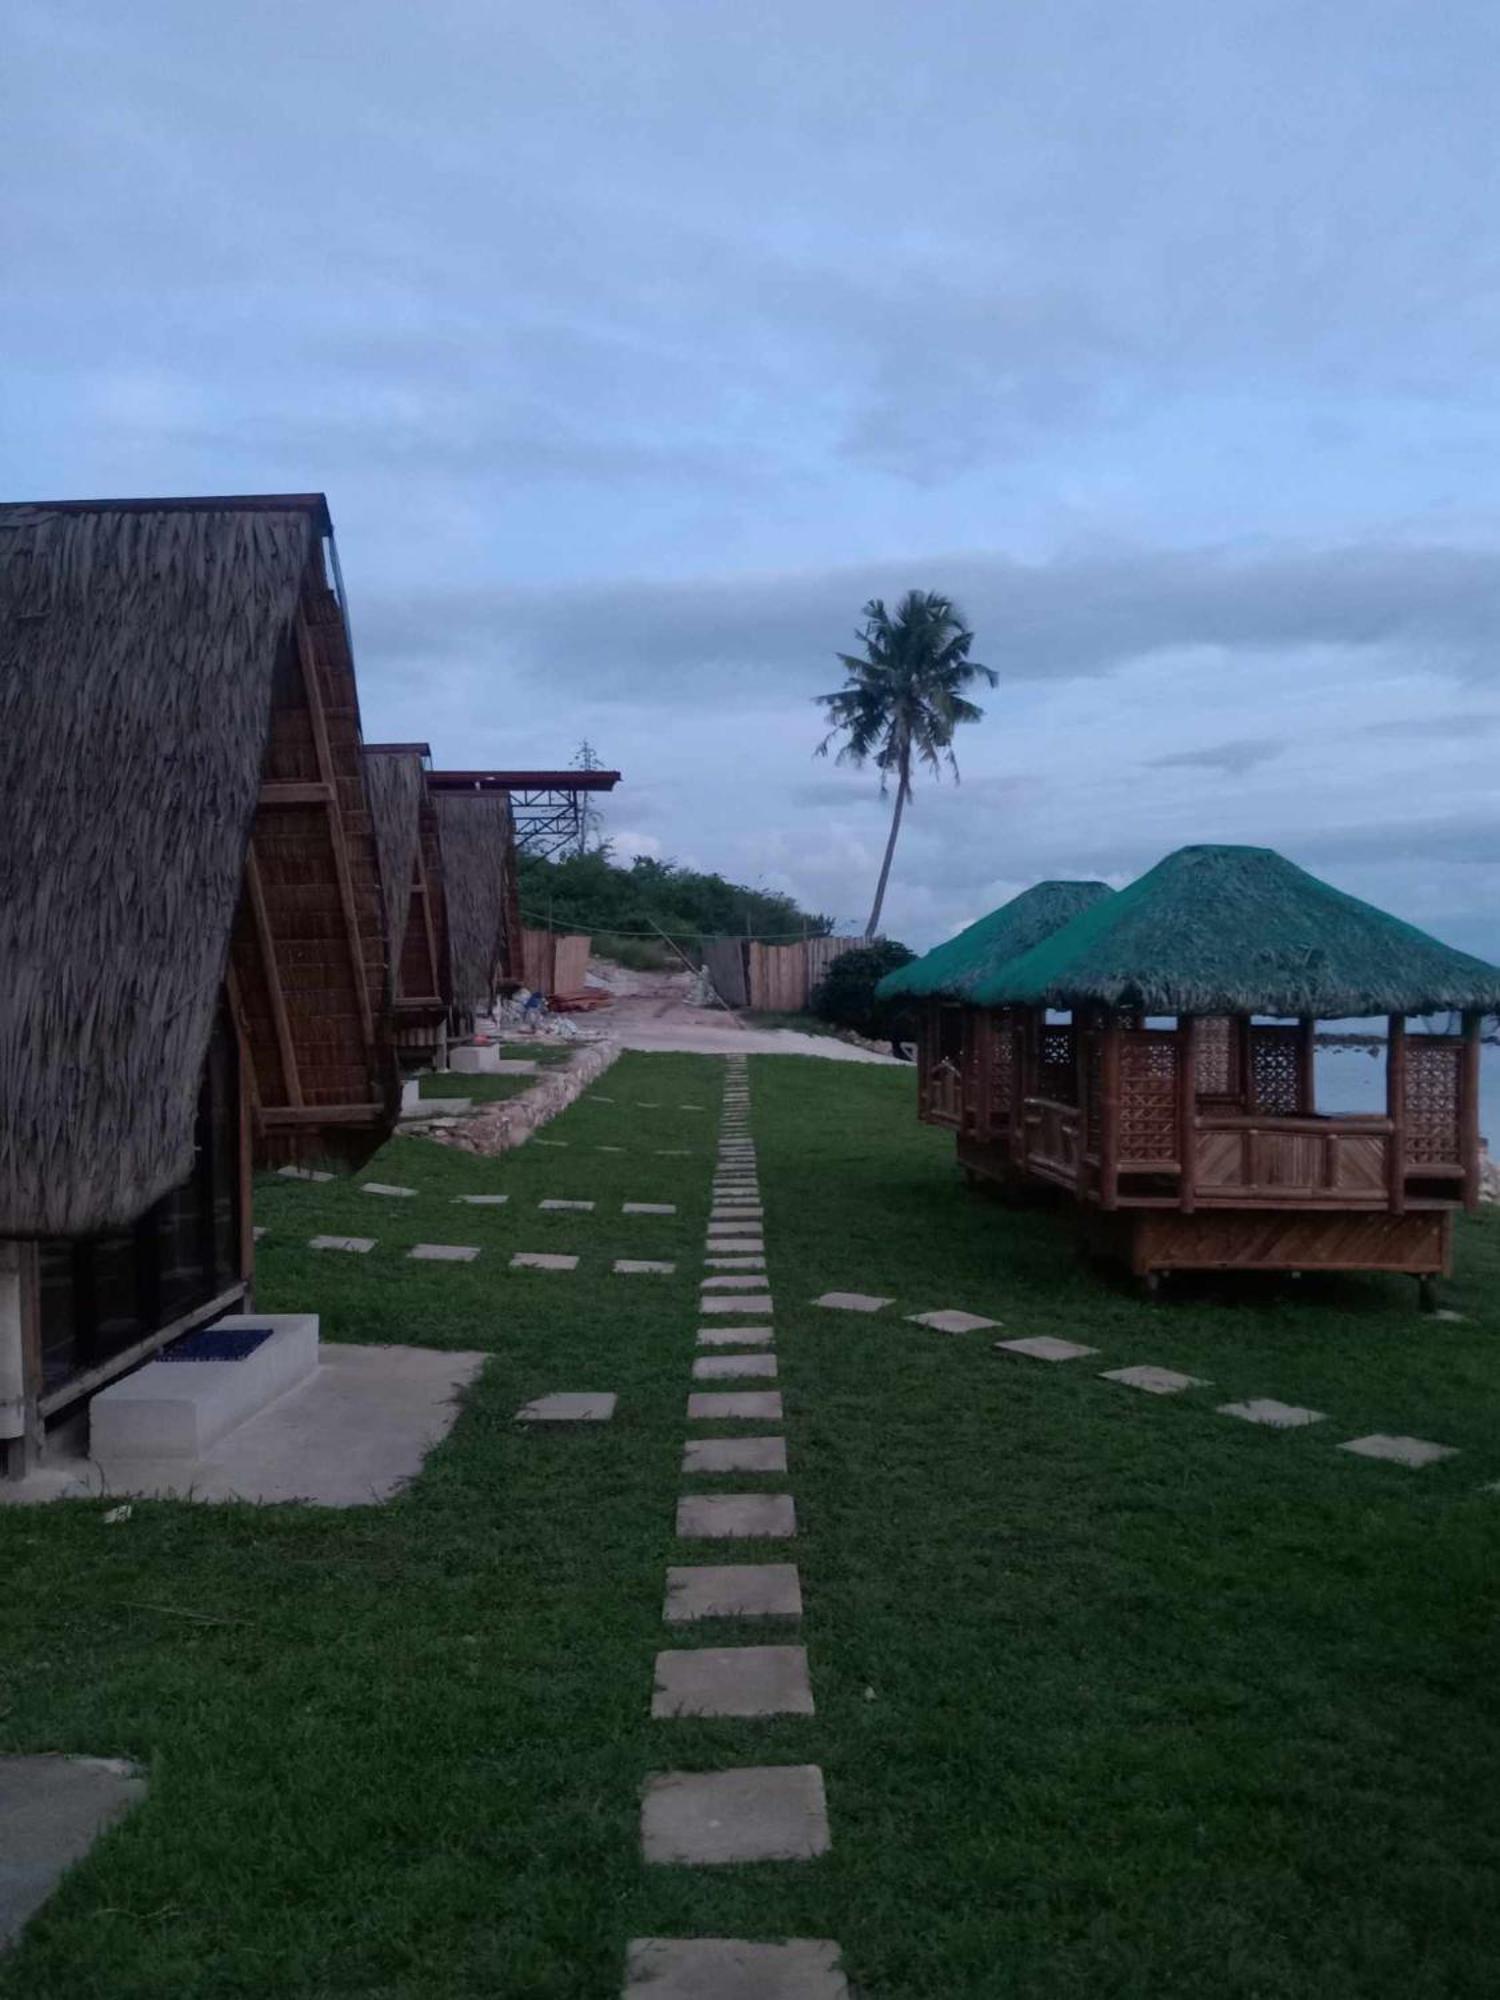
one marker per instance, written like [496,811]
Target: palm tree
[903,698]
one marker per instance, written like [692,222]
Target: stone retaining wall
[499,1127]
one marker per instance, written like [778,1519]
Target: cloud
[1233,759]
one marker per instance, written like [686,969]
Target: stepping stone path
[648,1208]
[949,1321]
[853,1302]
[483,1200]
[585,1206]
[380,1187]
[1046,1347]
[569,1407]
[1155,1381]
[444,1253]
[1414,1452]
[1266,1410]
[636,1266]
[542,1260]
[360,1245]
[744,1813]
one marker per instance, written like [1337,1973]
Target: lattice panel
[1218,1056]
[1093,1102]
[1434,1069]
[1057,1075]
[1274,1068]
[1148,1096]
[1002,1073]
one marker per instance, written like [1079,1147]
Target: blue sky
[635,345]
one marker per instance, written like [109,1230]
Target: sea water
[1352,1078]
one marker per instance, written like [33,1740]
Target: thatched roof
[395,782]
[477,838]
[137,646]
[1240,930]
[954,969]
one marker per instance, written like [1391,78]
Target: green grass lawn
[1116,1697]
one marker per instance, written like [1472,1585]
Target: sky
[637,343]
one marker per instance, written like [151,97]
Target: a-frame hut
[969,1058]
[192,952]
[1170,1081]
[477,837]
[411,870]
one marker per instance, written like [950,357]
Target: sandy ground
[654,1011]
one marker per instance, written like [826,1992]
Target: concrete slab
[674,1152]
[302,1174]
[749,1405]
[542,1260]
[585,1207]
[444,1253]
[747,1226]
[747,1302]
[350,1435]
[636,1267]
[52,1810]
[601,1149]
[563,1142]
[734,1246]
[384,1187]
[179,1409]
[569,1407]
[732,1590]
[1447,1313]
[726,1367]
[732,1681]
[1411,1451]
[1155,1381]
[1266,1410]
[737,1211]
[718,1517]
[733,1284]
[742,1454]
[358,1246]
[853,1302]
[1046,1347]
[951,1321]
[735,1264]
[648,1208]
[483,1200]
[735,1336]
[733,1969]
[774,1812]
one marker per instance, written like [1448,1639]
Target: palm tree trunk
[885,868]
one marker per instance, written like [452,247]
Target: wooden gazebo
[416,912]
[192,950]
[968,1054]
[1167,1078]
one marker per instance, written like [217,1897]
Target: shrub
[846,996]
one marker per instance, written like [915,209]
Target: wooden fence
[554,962]
[771,978]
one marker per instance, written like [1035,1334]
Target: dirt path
[655,1011]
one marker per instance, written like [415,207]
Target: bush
[846,996]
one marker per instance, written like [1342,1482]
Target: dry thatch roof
[1239,930]
[478,840]
[137,647]
[396,785]
[955,969]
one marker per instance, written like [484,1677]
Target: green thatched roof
[953,970]
[1239,930]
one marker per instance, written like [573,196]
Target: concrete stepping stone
[1046,1347]
[732,1284]
[569,1407]
[733,1969]
[648,1208]
[673,1152]
[758,1406]
[598,1097]
[542,1260]
[257,1232]
[483,1200]
[551,1142]
[609,1149]
[359,1245]
[1155,1381]
[737,1211]
[726,1367]
[585,1206]
[718,1517]
[726,1229]
[1447,1313]
[302,1174]
[641,1104]
[949,1321]
[772,1812]
[1266,1410]
[732,1590]
[731,1681]
[692,1107]
[444,1253]
[382,1187]
[1410,1451]
[735,1264]
[734,1246]
[729,1336]
[743,1454]
[635,1267]
[747,1302]
[853,1302]
[52,1810]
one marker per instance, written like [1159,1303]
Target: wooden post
[1245,1064]
[1187,1111]
[1109,1113]
[285,1046]
[1307,1085]
[1395,1110]
[1468,1108]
